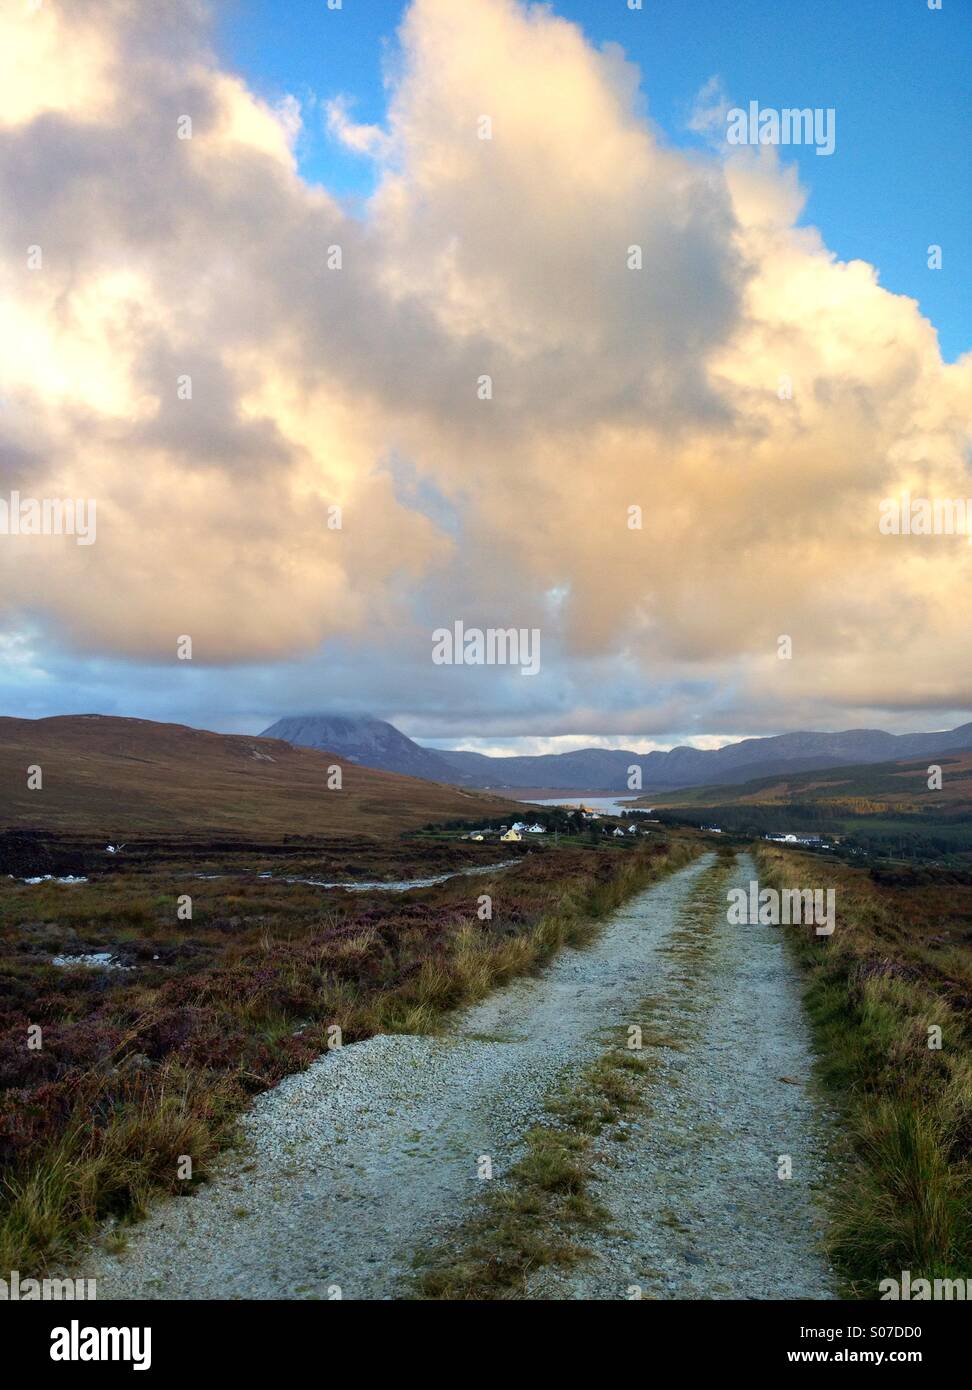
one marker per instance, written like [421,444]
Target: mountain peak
[363,739]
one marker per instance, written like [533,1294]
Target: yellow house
[512,835]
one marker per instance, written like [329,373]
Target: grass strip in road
[537,1216]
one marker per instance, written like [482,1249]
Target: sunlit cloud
[752,395]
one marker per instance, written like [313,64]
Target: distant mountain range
[900,786]
[376,744]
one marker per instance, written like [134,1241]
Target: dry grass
[116,778]
[897,965]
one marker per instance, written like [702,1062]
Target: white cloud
[505,257]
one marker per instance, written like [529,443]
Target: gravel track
[369,1155]
[697,1204]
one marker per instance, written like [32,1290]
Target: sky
[360,322]
[895,72]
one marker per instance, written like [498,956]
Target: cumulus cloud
[754,396]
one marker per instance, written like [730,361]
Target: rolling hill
[884,811]
[117,777]
[900,786]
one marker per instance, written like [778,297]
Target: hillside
[117,777]
[901,785]
[886,810]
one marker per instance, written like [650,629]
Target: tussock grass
[93,1171]
[904,1200]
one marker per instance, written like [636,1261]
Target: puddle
[53,878]
[92,960]
[402,885]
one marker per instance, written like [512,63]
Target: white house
[537,829]
[618,830]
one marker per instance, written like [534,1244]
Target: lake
[606,805]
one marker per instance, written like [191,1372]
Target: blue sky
[896,72]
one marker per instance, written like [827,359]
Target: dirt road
[375,1151]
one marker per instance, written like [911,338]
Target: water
[605,805]
[93,960]
[402,885]
[52,878]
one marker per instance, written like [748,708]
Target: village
[521,830]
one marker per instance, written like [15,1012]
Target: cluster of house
[520,828]
[817,840]
[514,832]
